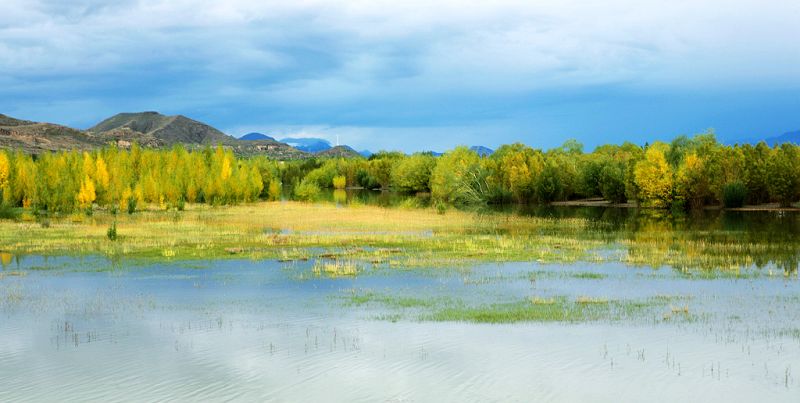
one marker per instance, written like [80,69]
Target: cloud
[382,64]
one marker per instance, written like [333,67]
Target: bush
[548,186]
[734,195]
[306,190]
[8,212]
[339,182]
[112,232]
[274,190]
[441,208]
[612,183]
[131,205]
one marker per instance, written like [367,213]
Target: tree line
[684,174]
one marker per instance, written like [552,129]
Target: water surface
[88,329]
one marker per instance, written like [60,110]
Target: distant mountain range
[154,130]
[308,144]
[256,136]
[482,151]
[789,137]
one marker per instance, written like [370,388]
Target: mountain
[9,121]
[365,153]
[166,130]
[339,152]
[788,137]
[482,151]
[308,144]
[256,136]
[154,130]
[36,138]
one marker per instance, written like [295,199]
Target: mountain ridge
[256,136]
[167,129]
[152,130]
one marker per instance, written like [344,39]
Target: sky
[408,75]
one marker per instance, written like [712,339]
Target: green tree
[784,175]
[459,178]
[413,173]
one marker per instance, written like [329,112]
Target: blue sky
[412,75]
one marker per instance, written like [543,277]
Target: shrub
[8,212]
[548,185]
[274,190]
[306,190]
[132,205]
[612,183]
[734,194]
[339,182]
[441,207]
[112,232]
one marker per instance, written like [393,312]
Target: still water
[87,329]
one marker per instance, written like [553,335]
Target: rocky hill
[150,130]
[339,152]
[256,136]
[35,138]
[166,130]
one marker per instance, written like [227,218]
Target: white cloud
[509,43]
[347,57]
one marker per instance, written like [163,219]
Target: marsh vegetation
[422,287]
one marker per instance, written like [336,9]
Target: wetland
[291,301]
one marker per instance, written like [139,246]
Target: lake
[89,328]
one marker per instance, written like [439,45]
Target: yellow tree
[101,179]
[86,195]
[24,185]
[653,176]
[5,172]
[692,181]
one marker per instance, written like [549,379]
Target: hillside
[339,152]
[167,130]
[36,138]
[9,121]
[482,151]
[150,130]
[256,136]
[789,137]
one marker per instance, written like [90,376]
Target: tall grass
[392,237]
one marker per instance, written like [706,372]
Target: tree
[413,173]
[612,182]
[381,170]
[653,176]
[339,182]
[86,195]
[5,169]
[514,170]
[549,186]
[784,175]
[756,174]
[459,178]
[274,192]
[692,182]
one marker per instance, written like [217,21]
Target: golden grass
[364,235]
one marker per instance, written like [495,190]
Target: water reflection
[248,330]
[715,238]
